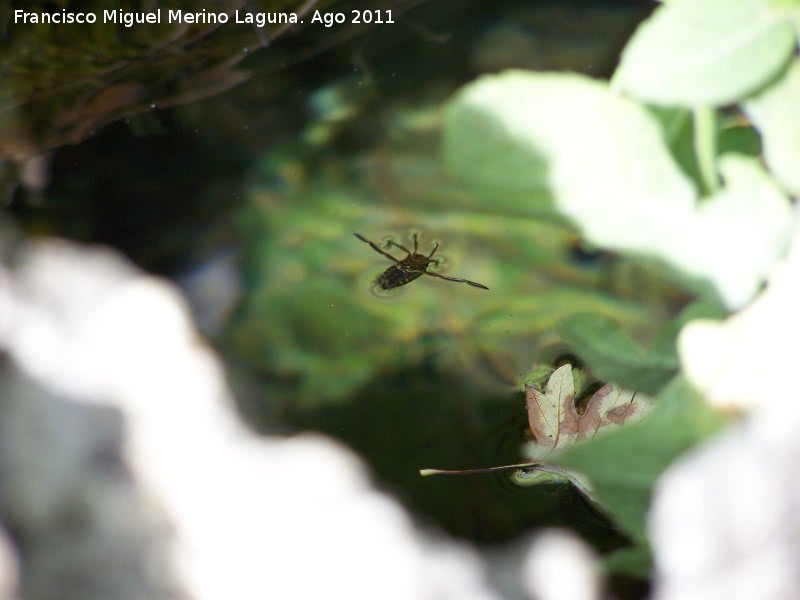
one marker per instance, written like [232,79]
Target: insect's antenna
[374,246]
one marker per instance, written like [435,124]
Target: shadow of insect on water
[411,267]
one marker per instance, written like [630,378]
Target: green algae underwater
[314,321]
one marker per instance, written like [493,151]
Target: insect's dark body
[399,274]
[412,267]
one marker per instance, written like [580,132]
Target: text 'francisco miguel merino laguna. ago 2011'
[129,19]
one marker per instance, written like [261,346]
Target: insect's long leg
[435,246]
[375,247]
[403,248]
[414,236]
[457,279]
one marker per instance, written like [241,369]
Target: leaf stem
[705,147]
[428,472]
[574,478]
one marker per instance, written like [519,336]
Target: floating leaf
[555,421]
[612,406]
[552,416]
[556,424]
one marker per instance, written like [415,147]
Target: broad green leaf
[633,560]
[601,155]
[624,465]
[705,52]
[775,114]
[740,140]
[677,126]
[562,138]
[740,232]
[607,169]
[613,356]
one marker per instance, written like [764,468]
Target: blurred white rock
[8,568]
[724,524]
[561,566]
[126,472]
[725,521]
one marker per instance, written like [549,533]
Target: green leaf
[537,139]
[624,465]
[601,156]
[705,52]
[740,232]
[775,114]
[633,560]
[665,344]
[678,130]
[609,171]
[613,356]
[740,140]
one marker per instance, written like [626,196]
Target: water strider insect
[411,267]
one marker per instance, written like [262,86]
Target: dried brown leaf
[612,405]
[551,415]
[555,422]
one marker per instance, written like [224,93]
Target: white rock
[133,433]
